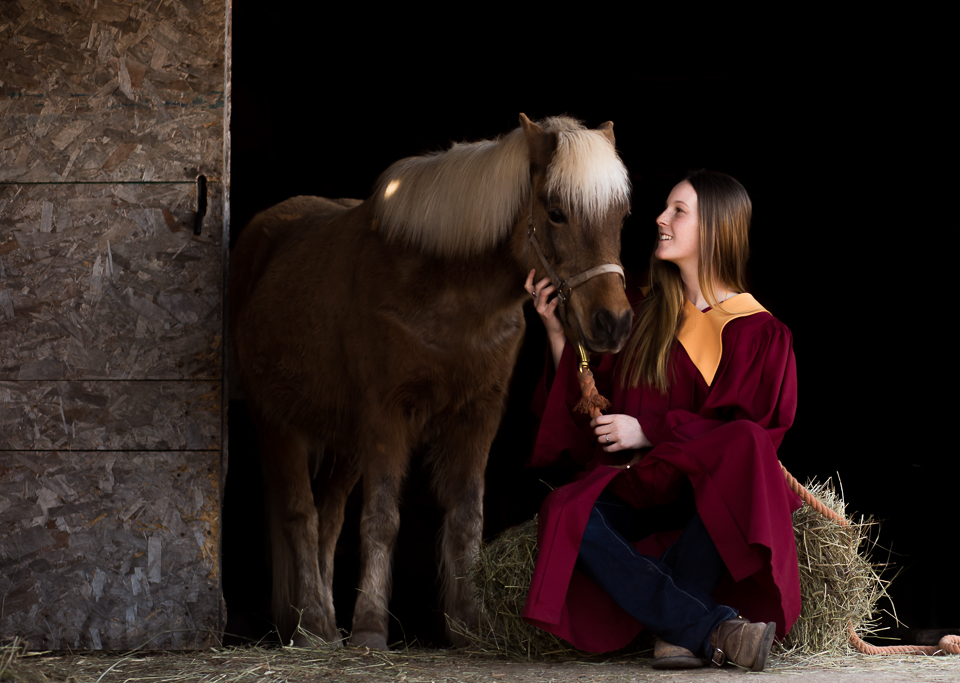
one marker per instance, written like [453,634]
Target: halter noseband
[565,287]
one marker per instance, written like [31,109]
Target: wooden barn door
[111,321]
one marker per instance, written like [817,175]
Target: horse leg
[332,487]
[379,524]
[293,539]
[459,460]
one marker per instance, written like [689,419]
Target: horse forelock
[458,202]
[587,173]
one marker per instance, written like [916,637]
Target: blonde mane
[466,200]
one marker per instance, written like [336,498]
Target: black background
[849,247]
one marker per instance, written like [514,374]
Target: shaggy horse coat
[362,331]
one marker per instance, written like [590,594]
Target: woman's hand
[547,310]
[619,433]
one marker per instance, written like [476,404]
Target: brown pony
[362,331]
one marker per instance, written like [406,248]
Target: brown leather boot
[742,643]
[667,656]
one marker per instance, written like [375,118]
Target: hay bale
[838,583]
[502,573]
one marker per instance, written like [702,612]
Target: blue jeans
[671,596]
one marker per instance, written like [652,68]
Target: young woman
[681,518]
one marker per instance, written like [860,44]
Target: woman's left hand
[619,433]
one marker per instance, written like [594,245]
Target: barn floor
[413,665]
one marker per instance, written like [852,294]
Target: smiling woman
[679,229]
[682,521]
[709,213]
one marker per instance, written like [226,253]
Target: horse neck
[495,274]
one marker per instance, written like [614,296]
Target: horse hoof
[370,639]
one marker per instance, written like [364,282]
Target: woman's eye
[556,216]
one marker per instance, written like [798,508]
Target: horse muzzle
[608,330]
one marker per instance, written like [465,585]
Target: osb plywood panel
[109,282]
[110,322]
[129,415]
[110,550]
[99,90]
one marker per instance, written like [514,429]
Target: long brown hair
[724,211]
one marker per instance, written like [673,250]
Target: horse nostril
[610,327]
[603,323]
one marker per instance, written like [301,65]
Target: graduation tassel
[592,403]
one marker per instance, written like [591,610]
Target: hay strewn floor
[440,666]
[839,582]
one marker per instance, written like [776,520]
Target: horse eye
[556,216]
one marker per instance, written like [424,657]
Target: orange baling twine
[592,403]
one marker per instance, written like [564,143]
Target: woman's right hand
[547,310]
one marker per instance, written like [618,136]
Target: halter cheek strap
[565,287]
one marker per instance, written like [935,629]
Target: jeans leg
[694,558]
[677,610]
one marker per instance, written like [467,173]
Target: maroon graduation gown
[722,436]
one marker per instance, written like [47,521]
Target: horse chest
[442,360]
[449,334]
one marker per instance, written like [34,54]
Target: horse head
[579,199]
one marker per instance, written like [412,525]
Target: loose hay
[294,665]
[15,666]
[502,573]
[838,584]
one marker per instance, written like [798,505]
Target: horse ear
[539,143]
[607,129]
[528,125]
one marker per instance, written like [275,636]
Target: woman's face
[679,227]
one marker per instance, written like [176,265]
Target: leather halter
[564,286]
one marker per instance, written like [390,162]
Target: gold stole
[701,333]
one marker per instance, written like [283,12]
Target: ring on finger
[608,438]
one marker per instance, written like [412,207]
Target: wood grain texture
[109,282]
[164,415]
[110,551]
[111,420]
[95,91]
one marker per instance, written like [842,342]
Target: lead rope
[592,403]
